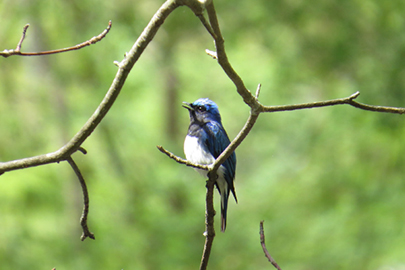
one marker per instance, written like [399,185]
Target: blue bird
[205,141]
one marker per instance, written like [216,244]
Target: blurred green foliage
[329,182]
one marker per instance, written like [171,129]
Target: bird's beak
[188,106]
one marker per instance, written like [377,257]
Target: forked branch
[125,67]
[17,51]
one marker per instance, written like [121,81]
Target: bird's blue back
[216,142]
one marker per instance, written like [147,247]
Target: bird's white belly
[196,154]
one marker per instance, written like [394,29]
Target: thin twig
[266,252]
[81,149]
[259,86]
[212,54]
[339,101]
[18,48]
[83,220]
[206,25]
[182,161]
[310,105]
[375,108]
[17,51]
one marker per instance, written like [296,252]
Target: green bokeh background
[329,182]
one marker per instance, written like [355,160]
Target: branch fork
[17,51]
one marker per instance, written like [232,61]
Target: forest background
[329,182]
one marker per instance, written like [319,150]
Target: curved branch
[222,58]
[124,68]
[182,161]
[266,252]
[83,220]
[17,51]
[375,108]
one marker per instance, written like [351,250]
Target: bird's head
[203,110]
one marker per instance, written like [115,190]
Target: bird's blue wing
[216,142]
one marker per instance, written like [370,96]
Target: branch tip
[355,95]
[266,252]
[87,234]
[259,86]
[18,48]
[212,54]
[81,149]
[183,161]
[17,51]
[83,219]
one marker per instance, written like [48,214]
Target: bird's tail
[224,191]
[224,208]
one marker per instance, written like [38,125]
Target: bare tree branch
[252,101]
[237,141]
[212,54]
[18,48]
[125,67]
[17,51]
[222,58]
[182,161]
[266,252]
[310,105]
[209,220]
[259,87]
[348,100]
[375,108]
[81,149]
[83,220]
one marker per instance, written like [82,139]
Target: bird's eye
[201,108]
